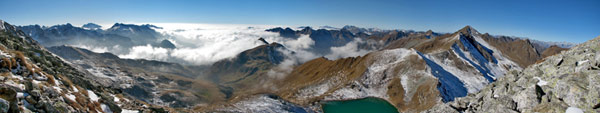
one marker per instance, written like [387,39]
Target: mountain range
[415,71]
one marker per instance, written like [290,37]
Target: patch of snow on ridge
[471,80]
[264,104]
[449,85]
[375,81]
[490,69]
[474,57]
[319,89]
[498,55]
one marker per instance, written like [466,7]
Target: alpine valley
[168,68]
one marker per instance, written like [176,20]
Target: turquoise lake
[365,105]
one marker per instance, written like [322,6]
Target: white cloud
[302,43]
[203,44]
[92,48]
[351,49]
[147,52]
[296,54]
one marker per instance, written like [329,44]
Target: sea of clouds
[204,44]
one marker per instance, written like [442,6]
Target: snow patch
[116,99]
[70,96]
[450,86]
[540,81]
[92,95]
[404,82]
[57,88]
[375,81]
[75,89]
[265,104]
[105,108]
[20,95]
[129,111]
[573,110]
[581,62]
[471,80]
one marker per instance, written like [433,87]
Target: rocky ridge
[566,81]
[35,80]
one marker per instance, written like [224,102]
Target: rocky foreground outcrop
[34,80]
[569,81]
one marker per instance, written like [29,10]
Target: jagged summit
[467,30]
[263,40]
[429,32]
[167,44]
[287,32]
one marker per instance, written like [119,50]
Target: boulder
[4,106]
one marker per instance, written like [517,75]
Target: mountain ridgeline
[414,71]
[91,35]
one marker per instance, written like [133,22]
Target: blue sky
[550,20]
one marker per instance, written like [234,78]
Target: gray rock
[50,92]
[4,106]
[30,100]
[61,106]
[48,108]
[35,93]
[9,94]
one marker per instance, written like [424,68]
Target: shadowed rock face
[561,81]
[521,51]
[449,86]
